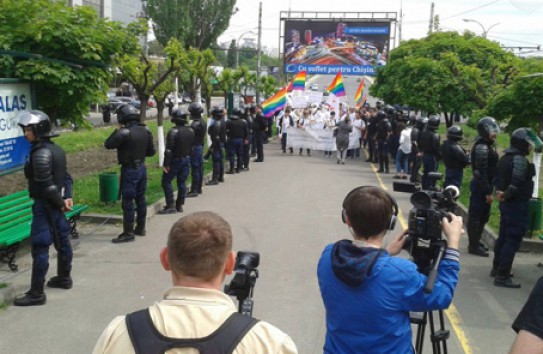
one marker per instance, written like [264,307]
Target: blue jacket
[368,294]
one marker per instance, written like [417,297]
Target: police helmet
[237,113]
[127,113]
[179,116]
[381,114]
[521,139]
[487,126]
[421,122]
[38,120]
[412,119]
[390,110]
[433,121]
[217,112]
[196,110]
[378,104]
[455,133]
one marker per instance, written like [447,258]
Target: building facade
[124,11]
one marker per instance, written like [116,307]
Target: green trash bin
[535,211]
[109,187]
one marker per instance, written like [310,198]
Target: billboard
[14,97]
[349,46]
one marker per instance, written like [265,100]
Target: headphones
[393,218]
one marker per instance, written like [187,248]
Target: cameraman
[367,293]
[529,324]
[199,256]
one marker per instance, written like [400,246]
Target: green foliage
[444,72]
[195,23]
[231,56]
[65,51]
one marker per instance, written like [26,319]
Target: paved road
[288,209]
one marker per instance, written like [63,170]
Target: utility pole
[400,25]
[431,26]
[259,53]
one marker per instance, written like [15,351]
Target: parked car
[314,87]
[115,102]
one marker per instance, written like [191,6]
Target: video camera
[425,243]
[242,284]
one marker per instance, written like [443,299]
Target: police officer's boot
[179,204]
[168,208]
[192,194]
[503,279]
[35,296]
[127,235]
[381,163]
[385,156]
[62,280]
[140,228]
[474,235]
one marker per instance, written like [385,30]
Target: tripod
[439,337]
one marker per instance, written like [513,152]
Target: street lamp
[237,45]
[485,31]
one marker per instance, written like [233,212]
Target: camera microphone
[452,191]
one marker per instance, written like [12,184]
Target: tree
[65,51]
[195,23]
[445,72]
[231,56]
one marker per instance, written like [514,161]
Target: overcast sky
[514,22]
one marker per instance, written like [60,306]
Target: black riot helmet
[455,133]
[433,122]
[487,126]
[127,113]
[390,110]
[237,113]
[412,120]
[179,116]
[217,112]
[381,115]
[379,104]
[38,120]
[522,138]
[421,123]
[196,110]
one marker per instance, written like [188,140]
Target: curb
[489,237]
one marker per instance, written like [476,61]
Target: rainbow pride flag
[361,95]
[336,87]
[298,83]
[275,103]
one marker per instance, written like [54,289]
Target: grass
[87,189]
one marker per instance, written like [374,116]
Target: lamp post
[237,46]
[485,31]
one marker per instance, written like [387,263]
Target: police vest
[147,340]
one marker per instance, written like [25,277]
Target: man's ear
[347,220]
[230,263]
[164,259]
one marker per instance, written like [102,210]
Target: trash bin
[109,187]
[535,211]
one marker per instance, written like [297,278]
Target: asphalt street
[287,209]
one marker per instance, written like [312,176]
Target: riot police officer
[133,142]
[371,130]
[260,127]
[247,143]
[416,153]
[47,177]
[429,141]
[237,133]
[216,132]
[196,159]
[513,191]
[484,162]
[384,130]
[454,157]
[179,144]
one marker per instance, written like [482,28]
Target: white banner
[314,97]
[299,102]
[317,139]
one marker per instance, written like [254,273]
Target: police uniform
[133,142]
[428,143]
[416,159]
[384,129]
[49,184]
[179,145]
[247,143]
[455,159]
[196,159]
[260,127]
[515,174]
[216,132]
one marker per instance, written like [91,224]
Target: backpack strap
[146,339]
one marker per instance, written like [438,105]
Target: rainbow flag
[361,95]
[298,83]
[275,103]
[336,87]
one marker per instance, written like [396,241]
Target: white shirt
[405,140]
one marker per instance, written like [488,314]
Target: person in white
[404,149]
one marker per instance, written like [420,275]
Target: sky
[512,23]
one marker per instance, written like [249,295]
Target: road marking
[452,313]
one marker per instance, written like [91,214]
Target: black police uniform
[455,159]
[260,127]
[515,174]
[49,184]
[217,132]
[428,143]
[416,159]
[384,130]
[247,143]
[237,132]
[134,142]
[196,160]
[371,129]
[179,145]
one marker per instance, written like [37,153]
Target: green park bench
[15,220]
